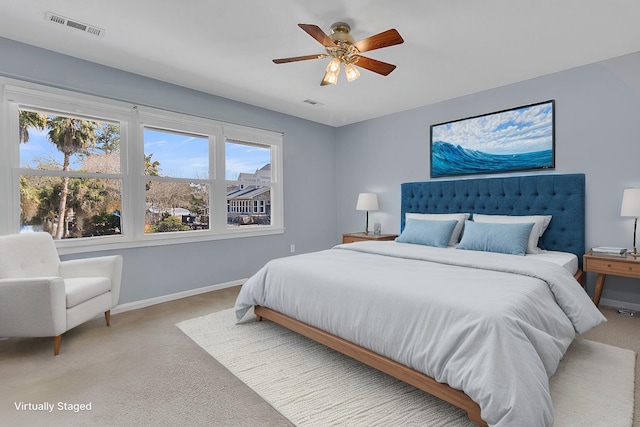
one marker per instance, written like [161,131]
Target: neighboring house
[260,175]
[250,203]
[246,203]
[154,214]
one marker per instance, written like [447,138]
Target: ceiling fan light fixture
[352,72]
[340,33]
[340,47]
[330,78]
[334,66]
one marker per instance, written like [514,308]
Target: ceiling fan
[340,47]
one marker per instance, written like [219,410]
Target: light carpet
[313,385]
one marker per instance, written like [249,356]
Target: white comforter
[492,325]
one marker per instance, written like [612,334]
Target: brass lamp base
[635,253]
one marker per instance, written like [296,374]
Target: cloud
[154,143]
[517,131]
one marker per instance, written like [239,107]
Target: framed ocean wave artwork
[518,139]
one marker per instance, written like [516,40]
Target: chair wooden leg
[56,344]
[107,317]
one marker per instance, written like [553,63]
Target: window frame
[51,102]
[132,119]
[239,135]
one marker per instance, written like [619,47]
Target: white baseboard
[171,297]
[619,304]
[121,308]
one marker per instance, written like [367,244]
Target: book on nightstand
[609,250]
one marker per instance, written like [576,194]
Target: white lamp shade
[367,202]
[630,202]
[334,66]
[352,72]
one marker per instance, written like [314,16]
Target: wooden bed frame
[390,367]
[559,195]
[381,363]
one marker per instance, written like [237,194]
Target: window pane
[176,206]
[177,155]
[245,161]
[56,142]
[248,205]
[92,207]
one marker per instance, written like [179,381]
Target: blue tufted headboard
[562,196]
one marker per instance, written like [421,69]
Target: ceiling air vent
[59,19]
[314,103]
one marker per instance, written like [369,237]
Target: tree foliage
[169,223]
[108,139]
[70,136]
[64,206]
[80,206]
[104,224]
[30,119]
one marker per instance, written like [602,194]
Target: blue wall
[597,132]
[309,175]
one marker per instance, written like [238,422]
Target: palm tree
[71,136]
[151,168]
[30,119]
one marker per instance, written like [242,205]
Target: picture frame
[517,139]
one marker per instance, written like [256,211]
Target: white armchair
[41,296]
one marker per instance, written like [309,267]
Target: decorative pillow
[496,237]
[427,232]
[460,217]
[540,224]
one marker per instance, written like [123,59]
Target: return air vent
[59,19]
[314,103]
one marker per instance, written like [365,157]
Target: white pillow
[460,217]
[540,224]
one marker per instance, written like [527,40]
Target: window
[176,169]
[69,173]
[91,172]
[206,177]
[248,175]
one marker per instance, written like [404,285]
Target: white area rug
[313,385]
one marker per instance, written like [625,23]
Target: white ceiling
[452,48]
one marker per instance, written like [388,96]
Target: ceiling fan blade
[375,65]
[317,33]
[300,58]
[387,38]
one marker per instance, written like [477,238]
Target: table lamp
[631,207]
[367,202]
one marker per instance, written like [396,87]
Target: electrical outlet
[293,248]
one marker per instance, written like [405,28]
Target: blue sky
[39,148]
[180,155]
[186,156]
[521,130]
[183,156]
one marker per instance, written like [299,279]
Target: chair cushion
[28,255]
[81,289]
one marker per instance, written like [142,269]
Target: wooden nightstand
[359,237]
[626,266]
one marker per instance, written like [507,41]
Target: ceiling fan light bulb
[330,78]
[334,66]
[352,72]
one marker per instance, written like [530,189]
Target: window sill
[108,243]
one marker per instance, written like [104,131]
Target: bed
[481,330]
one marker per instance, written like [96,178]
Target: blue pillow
[496,237]
[427,232]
